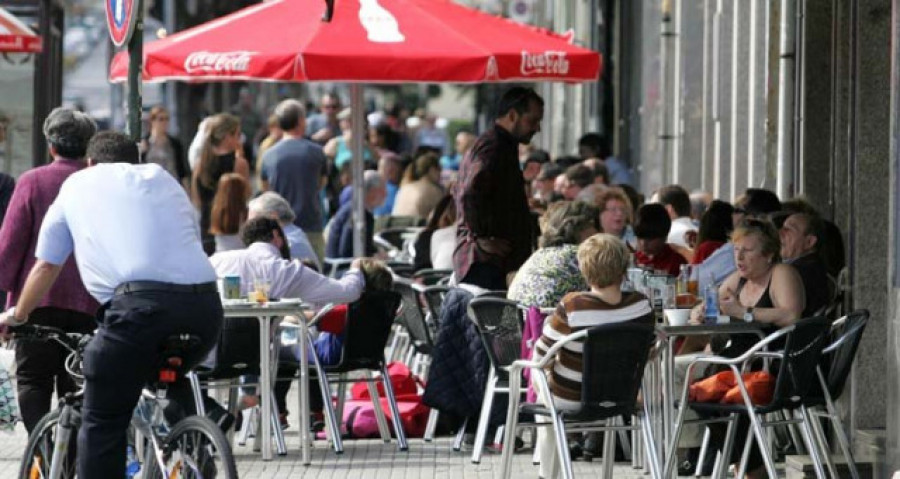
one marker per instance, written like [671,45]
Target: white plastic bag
[9,409]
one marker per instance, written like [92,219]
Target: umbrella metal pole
[135,60]
[359,218]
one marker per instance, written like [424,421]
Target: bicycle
[193,447]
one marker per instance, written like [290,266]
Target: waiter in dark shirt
[495,233]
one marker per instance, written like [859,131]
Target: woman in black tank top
[762,290]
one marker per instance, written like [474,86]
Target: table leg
[276,413]
[669,399]
[304,392]
[265,387]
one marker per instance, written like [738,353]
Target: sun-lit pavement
[361,459]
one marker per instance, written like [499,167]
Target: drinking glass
[261,286]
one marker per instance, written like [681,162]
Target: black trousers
[40,363]
[123,356]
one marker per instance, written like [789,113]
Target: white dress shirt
[443,242]
[125,223]
[680,226]
[287,278]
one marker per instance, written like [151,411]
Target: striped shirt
[575,312]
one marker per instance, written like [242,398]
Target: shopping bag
[9,409]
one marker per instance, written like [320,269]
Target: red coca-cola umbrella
[371,41]
[15,36]
[366,41]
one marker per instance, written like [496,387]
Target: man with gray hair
[340,233]
[271,205]
[295,169]
[67,305]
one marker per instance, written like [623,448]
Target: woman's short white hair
[272,205]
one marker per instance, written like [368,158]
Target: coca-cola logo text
[546,63]
[218,62]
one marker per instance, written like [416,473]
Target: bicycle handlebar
[74,342]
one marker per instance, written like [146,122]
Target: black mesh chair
[431,277]
[833,370]
[336,267]
[397,243]
[796,374]
[434,301]
[499,323]
[369,322]
[421,341]
[389,221]
[613,361]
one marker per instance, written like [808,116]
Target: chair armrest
[336,264]
[550,355]
[844,337]
[381,241]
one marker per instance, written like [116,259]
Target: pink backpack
[359,413]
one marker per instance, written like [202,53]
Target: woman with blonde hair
[220,154]
[420,189]
[229,211]
[762,290]
[552,271]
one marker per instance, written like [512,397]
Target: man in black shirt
[799,238]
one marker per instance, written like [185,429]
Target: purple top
[35,192]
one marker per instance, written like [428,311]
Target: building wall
[843,147]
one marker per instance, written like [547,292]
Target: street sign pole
[135,66]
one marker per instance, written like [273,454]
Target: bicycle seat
[174,350]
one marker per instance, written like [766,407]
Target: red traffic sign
[120,18]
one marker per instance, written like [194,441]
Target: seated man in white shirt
[677,202]
[272,205]
[268,254]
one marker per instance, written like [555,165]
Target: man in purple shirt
[496,230]
[67,305]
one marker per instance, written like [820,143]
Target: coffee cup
[677,317]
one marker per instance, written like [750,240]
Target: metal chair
[431,277]
[421,340]
[397,243]
[803,345]
[832,373]
[613,361]
[434,301]
[336,267]
[369,322]
[499,324]
[236,355]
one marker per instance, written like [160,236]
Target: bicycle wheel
[196,448]
[39,452]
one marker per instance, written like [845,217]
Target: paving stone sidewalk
[361,459]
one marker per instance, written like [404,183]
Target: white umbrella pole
[359,217]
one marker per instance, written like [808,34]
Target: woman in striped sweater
[603,260]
